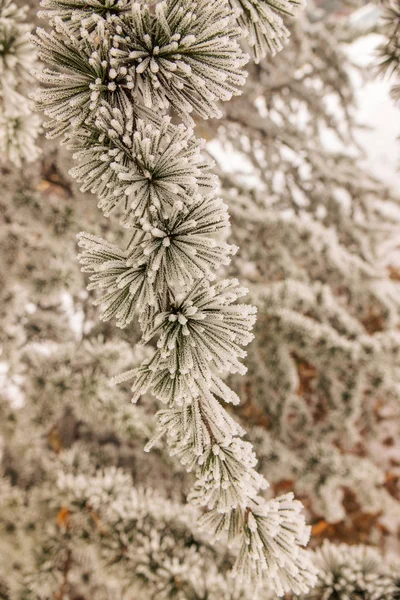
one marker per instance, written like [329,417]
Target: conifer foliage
[18,125]
[389,50]
[354,572]
[116,69]
[262,24]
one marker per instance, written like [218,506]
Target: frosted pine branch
[19,128]
[389,50]
[79,79]
[175,56]
[137,165]
[351,571]
[127,288]
[262,24]
[185,54]
[82,15]
[111,77]
[274,534]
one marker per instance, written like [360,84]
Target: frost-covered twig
[19,127]
[111,78]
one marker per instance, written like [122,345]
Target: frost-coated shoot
[117,69]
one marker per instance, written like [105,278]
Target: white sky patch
[378,111]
